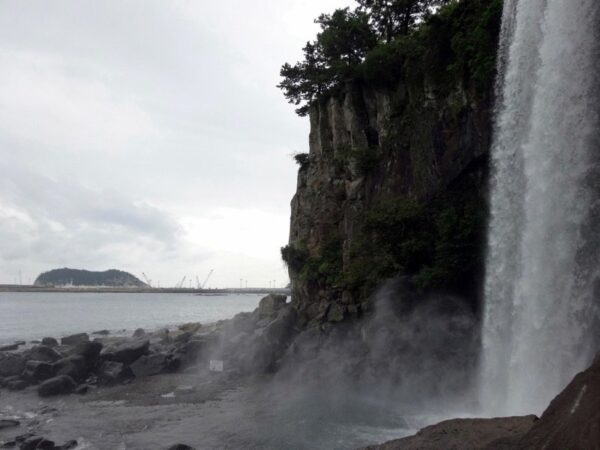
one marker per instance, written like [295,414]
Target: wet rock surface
[126,352]
[42,353]
[75,339]
[11,364]
[8,347]
[462,434]
[49,342]
[572,420]
[62,384]
[6,423]
[36,371]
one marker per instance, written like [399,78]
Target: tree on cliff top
[345,39]
[391,18]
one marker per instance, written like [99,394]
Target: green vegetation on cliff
[438,243]
[381,39]
[77,277]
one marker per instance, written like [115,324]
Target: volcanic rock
[7,423]
[11,364]
[461,434]
[112,372]
[270,304]
[139,333]
[148,365]
[8,347]
[62,384]
[17,385]
[50,342]
[37,443]
[74,366]
[572,420]
[88,350]
[126,352]
[42,353]
[75,339]
[36,371]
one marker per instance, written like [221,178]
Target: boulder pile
[250,343]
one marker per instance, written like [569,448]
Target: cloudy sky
[149,136]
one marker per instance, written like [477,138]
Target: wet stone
[75,339]
[37,443]
[8,347]
[62,384]
[7,423]
[43,353]
[17,385]
[50,342]
[37,371]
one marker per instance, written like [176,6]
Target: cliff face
[394,184]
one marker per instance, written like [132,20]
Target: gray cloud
[143,133]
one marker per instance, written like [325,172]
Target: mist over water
[543,270]
[408,365]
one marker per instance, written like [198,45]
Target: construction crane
[207,277]
[180,285]
[197,282]
[148,281]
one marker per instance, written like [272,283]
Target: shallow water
[33,315]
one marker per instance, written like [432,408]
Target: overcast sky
[149,136]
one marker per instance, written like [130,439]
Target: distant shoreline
[140,290]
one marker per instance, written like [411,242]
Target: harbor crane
[180,284]
[207,277]
[148,280]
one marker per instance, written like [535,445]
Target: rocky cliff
[394,183]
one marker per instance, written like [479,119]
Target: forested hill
[77,277]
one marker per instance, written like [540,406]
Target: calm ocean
[34,315]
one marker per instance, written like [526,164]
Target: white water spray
[542,291]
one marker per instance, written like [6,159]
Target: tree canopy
[345,39]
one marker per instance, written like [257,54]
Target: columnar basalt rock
[368,146]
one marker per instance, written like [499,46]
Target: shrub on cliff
[294,258]
[326,268]
[302,159]
[438,243]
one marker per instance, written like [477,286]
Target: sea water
[34,315]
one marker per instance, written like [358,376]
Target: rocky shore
[84,364]
[260,381]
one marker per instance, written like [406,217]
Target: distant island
[77,277]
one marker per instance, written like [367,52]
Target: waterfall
[542,288]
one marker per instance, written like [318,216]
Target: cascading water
[542,292]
